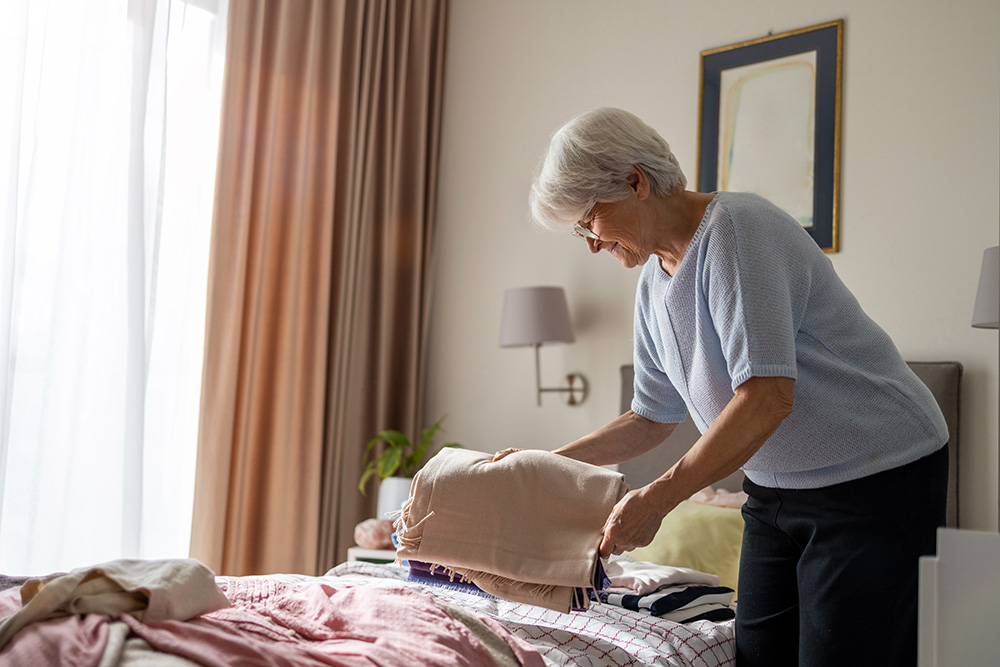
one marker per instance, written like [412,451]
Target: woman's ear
[638,181]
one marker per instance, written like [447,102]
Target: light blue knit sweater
[755,296]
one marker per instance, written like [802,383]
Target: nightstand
[380,556]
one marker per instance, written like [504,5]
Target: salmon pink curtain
[319,273]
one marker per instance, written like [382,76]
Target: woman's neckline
[694,238]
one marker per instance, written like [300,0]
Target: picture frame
[770,124]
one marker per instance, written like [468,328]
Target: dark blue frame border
[827,40]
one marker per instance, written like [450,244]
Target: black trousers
[829,576]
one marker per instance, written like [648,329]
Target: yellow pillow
[702,537]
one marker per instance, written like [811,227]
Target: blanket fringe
[408,536]
[451,572]
[498,585]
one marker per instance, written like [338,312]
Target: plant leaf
[427,436]
[416,457]
[390,437]
[369,471]
[398,457]
[390,461]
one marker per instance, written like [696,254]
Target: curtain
[108,126]
[319,272]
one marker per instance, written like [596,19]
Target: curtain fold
[318,287]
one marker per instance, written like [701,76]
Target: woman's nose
[594,245]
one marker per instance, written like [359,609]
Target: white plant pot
[392,494]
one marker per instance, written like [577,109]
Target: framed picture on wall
[770,123]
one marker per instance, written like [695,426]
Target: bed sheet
[265,607]
[602,636]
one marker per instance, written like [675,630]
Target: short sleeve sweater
[755,296]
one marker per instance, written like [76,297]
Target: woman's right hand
[504,452]
[633,522]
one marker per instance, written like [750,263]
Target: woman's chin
[625,258]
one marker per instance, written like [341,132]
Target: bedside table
[380,556]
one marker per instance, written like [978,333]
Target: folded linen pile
[443,576]
[525,528]
[674,593]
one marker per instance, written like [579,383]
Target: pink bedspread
[272,623]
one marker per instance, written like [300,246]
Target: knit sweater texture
[755,297]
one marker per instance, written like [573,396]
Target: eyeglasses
[583,232]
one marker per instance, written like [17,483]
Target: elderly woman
[741,321]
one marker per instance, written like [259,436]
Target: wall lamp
[985,312]
[536,315]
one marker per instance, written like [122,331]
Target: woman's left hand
[632,524]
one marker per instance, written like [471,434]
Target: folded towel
[525,528]
[639,577]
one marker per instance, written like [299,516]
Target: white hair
[589,160]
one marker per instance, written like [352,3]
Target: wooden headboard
[943,378]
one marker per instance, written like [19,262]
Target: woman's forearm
[755,412]
[757,409]
[621,439]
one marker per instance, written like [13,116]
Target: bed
[363,613]
[289,620]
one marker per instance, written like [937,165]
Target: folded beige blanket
[526,528]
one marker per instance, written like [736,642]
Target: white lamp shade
[534,315]
[984,315]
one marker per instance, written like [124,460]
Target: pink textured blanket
[525,528]
[273,624]
[280,625]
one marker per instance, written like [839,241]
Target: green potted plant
[396,465]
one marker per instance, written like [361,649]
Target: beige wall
[919,192]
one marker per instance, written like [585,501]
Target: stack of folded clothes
[525,528]
[437,575]
[674,593]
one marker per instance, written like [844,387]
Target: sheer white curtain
[108,135]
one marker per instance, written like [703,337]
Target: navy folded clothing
[672,599]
